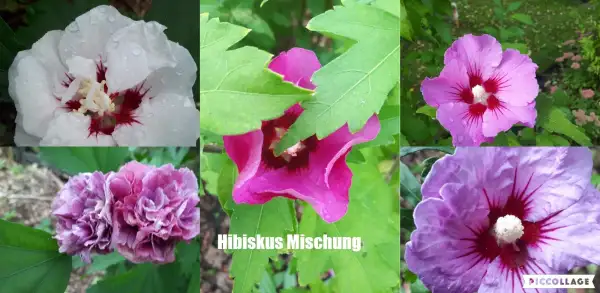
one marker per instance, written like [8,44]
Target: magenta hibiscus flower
[482,91]
[313,170]
[491,215]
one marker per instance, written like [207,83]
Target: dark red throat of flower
[126,102]
[491,86]
[514,257]
[296,157]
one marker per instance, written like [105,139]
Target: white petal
[165,120]
[82,67]
[22,138]
[45,50]
[71,129]
[177,80]
[135,52]
[88,34]
[32,92]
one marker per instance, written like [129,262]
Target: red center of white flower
[295,157]
[107,111]
[480,95]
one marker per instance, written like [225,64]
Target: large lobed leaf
[376,268]
[75,160]
[237,91]
[30,261]
[354,86]
[271,219]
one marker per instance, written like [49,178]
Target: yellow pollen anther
[94,99]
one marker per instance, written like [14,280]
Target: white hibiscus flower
[106,80]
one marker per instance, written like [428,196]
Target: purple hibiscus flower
[482,91]
[83,213]
[491,215]
[313,170]
[154,209]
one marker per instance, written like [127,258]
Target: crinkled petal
[297,66]
[136,51]
[516,73]
[479,168]
[165,120]
[505,117]
[22,138]
[82,67]
[329,203]
[480,54]
[31,90]
[332,150]
[176,80]
[72,129]
[446,87]
[571,236]
[88,34]
[439,251]
[499,279]
[45,50]
[551,179]
[452,116]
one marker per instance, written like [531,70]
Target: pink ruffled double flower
[313,170]
[142,211]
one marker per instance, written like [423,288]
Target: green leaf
[543,139]
[409,150]
[143,278]
[225,184]
[237,91]
[376,267]
[428,111]
[194,285]
[524,18]
[389,118]
[75,160]
[52,15]
[354,86]
[559,141]
[30,261]
[517,46]
[270,219]
[266,284]
[557,122]
[188,255]
[514,6]
[427,164]
[410,188]
[102,262]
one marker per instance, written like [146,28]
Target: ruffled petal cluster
[154,209]
[142,211]
[84,220]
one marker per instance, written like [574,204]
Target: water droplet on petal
[188,103]
[73,27]
[136,51]
[102,9]
[162,80]
[111,18]
[179,73]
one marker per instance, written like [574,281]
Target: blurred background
[418,164]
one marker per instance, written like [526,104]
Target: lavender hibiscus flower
[313,170]
[154,209]
[491,215]
[83,212]
[482,91]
